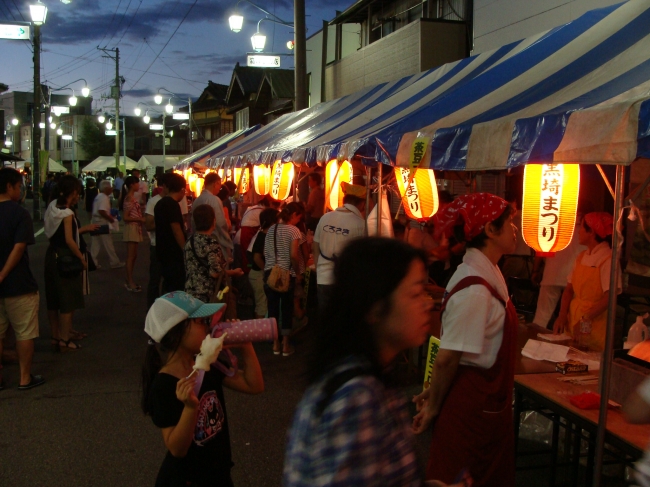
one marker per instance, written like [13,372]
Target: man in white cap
[334,231]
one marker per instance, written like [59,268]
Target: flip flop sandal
[34,381]
[65,345]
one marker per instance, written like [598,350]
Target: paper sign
[434,346]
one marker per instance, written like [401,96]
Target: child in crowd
[194,425]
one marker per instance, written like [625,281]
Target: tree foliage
[94,141]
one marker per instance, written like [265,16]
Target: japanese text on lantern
[277,178]
[411,193]
[550,203]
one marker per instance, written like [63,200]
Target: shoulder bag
[68,265]
[279,279]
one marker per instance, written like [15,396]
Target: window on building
[208,133]
[241,119]
[67,143]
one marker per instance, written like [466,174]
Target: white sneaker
[118,266]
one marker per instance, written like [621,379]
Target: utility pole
[300,54]
[36,127]
[115,94]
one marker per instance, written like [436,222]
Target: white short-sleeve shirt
[101,202]
[473,319]
[151,204]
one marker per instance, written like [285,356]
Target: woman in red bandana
[469,401]
[586,296]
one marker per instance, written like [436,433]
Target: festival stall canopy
[52,166]
[205,157]
[575,93]
[102,163]
[157,161]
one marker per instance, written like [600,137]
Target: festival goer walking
[281,248]
[470,396]
[155,275]
[334,231]
[117,185]
[194,426]
[250,225]
[352,425]
[91,193]
[267,218]
[170,234]
[19,297]
[64,294]
[133,220]
[208,196]
[101,215]
[204,261]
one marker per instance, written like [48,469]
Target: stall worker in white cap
[187,404]
[469,401]
[334,231]
[586,297]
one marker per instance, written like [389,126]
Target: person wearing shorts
[18,289]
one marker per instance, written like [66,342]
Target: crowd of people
[352,426]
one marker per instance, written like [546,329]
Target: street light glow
[38,13]
[85,91]
[236,21]
[169,108]
[59,131]
[14,121]
[158,98]
[101,119]
[156,126]
[67,137]
[146,119]
[109,125]
[41,125]
[52,125]
[181,116]
[137,111]
[258,40]
[73,101]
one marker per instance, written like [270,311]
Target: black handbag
[68,265]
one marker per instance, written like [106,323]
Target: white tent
[52,166]
[105,162]
[157,161]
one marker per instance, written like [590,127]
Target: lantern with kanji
[549,206]
[281,179]
[262,179]
[335,174]
[241,180]
[419,192]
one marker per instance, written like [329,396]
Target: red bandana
[473,210]
[600,222]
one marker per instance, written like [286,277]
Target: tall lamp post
[38,13]
[236,22]
[169,108]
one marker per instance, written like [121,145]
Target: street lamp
[169,108]
[101,118]
[38,13]
[258,40]
[146,119]
[236,22]
[109,125]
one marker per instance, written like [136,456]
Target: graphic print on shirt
[210,420]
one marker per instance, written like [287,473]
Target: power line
[165,63]
[166,43]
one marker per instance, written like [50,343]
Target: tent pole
[368,181]
[605,366]
[379,199]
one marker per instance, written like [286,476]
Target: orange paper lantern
[335,174]
[549,205]
[420,197]
[191,181]
[262,179]
[242,177]
[281,179]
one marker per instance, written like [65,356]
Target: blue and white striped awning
[205,156]
[577,93]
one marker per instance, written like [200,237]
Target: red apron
[245,237]
[474,429]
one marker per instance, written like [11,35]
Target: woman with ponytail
[282,248]
[189,408]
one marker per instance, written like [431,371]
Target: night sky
[178,45]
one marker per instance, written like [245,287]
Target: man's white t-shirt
[101,202]
[473,319]
[151,204]
[334,231]
[251,216]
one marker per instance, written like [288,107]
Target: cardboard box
[571,367]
